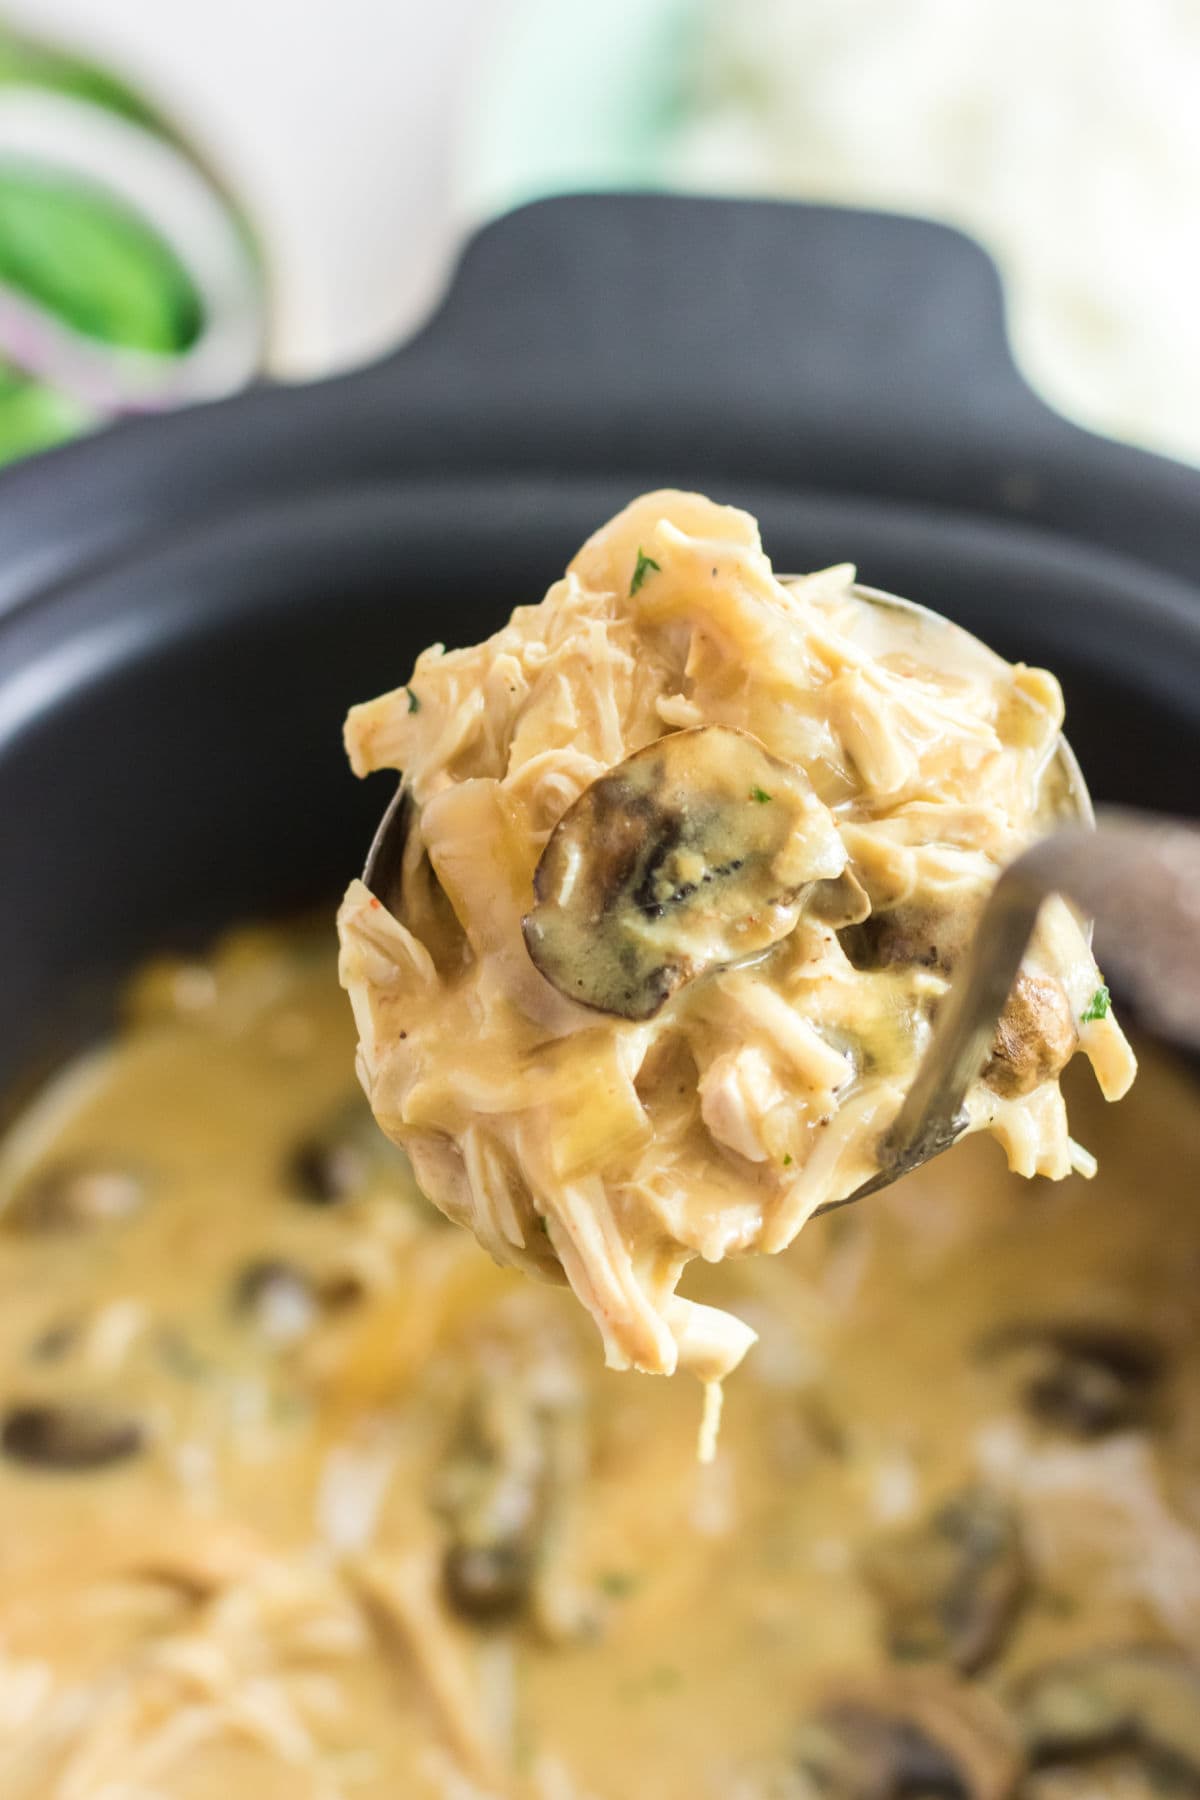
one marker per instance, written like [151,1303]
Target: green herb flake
[1097,1007]
[787,1161]
[761,796]
[644,565]
[178,1356]
[618,1584]
[414,705]
[663,1678]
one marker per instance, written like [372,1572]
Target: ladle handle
[1138,876]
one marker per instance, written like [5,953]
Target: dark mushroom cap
[343,1156]
[1085,1378]
[1112,1776]
[69,1436]
[1142,1699]
[491,1494]
[928,935]
[908,1737]
[486,1582]
[950,1586]
[280,1298]
[694,852]
[76,1196]
[1035,1037]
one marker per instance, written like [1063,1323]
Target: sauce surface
[302,1496]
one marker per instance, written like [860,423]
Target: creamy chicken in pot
[692,854]
[304,1498]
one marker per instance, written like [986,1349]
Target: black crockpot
[188,605]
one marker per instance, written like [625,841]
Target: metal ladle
[1136,875]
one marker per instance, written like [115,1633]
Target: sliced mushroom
[695,851]
[912,934]
[490,1496]
[841,903]
[1086,1379]
[504,1494]
[914,1737]
[76,1196]
[1109,1777]
[951,1585]
[1035,1037]
[69,1436]
[1141,1700]
[333,1164]
[280,1298]
[344,1156]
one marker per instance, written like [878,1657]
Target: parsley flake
[761,795]
[618,1584]
[414,705]
[663,1678]
[644,565]
[787,1161]
[1097,1007]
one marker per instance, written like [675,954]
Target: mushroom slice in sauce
[1110,1777]
[696,851]
[1144,1700]
[501,1495]
[841,903]
[69,1436]
[912,1738]
[929,936]
[950,1586]
[1085,1379]
[279,1298]
[344,1156]
[76,1196]
[1035,1037]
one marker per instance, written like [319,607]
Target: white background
[333,121]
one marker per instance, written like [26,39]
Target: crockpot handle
[814,344]
[659,339]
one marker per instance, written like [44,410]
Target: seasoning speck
[414,705]
[760,795]
[1097,1007]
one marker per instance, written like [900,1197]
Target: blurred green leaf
[34,417]
[24,63]
[27,63]
[93,262]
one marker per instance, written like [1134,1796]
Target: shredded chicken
[626,1020]
[403,1593]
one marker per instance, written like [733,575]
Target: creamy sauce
[252,1602]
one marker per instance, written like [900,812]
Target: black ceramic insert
[187,605]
